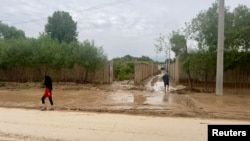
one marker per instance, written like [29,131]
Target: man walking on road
[47,91]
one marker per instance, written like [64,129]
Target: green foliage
[90,57]
[9,32]
[144,58]
[124,73]
[123,70]
[235,59]
[201,62]
[204,29]
[14,53]
[178,43]
[124,66]
[61,27]
[45,53]
[239,32]
[132,58]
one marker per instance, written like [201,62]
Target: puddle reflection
[146,98]
[165,98]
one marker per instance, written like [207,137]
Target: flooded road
[93,112]
[30,125]
[123,97]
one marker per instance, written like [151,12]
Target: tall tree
[61,26]
[204,28]
[178,43]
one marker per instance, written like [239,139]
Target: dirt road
[123,97]
[29,125]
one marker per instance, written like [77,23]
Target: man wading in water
[165,78]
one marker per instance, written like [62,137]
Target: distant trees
[124,66]
[56,49]
[9,32]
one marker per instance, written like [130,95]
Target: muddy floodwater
[124,97]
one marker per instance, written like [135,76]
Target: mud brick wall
[76,74]
[231,77]
[173,71]
[144,70]
[103,75]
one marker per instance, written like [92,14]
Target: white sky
[121,27]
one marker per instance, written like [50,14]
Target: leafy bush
[124,66]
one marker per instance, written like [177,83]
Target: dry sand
[30,125]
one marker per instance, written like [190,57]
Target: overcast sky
[121,27]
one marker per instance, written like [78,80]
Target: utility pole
[169,59]
[220,49]
[167,52]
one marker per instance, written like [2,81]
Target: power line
[103,5]
[79,11]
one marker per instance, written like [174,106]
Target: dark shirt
[48,82]
[165,78]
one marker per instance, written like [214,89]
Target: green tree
[46,54]
[8,32]
[204,30]
[61,26]
[178,43]
[91,58]
[14,57]
[239,32]
[123,70]
[202,63]
[124,66]
[144,58]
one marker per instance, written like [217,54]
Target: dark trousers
[166,83]
[50,100]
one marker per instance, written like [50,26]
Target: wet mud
[123,97]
